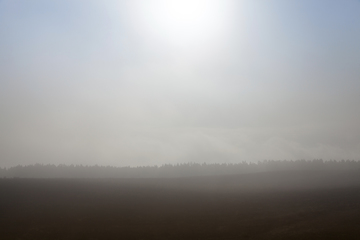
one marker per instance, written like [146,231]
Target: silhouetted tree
[178,170]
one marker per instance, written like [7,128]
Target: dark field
[278,205]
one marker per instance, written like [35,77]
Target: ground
[298,205]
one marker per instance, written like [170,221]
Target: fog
[133,83]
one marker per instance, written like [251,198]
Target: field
[277,205]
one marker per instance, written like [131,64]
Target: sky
[152,82]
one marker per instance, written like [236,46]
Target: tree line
[173,170]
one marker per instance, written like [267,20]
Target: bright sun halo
[183,22]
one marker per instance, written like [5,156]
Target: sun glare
[183,22]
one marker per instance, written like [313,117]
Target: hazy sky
[143,82]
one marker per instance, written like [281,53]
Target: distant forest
[172,171]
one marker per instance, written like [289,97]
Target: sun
[182,22]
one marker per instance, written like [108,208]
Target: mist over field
[143,83]
[179,119]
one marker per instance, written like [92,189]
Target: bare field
[277,205]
